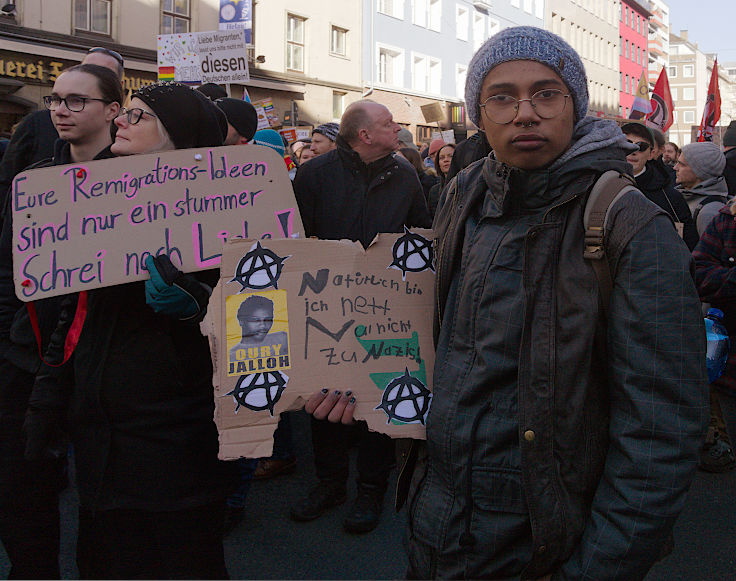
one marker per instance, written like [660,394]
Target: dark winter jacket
[139,396]
[339,196]
[656,185]
[472,149]
[729,173]
[715,270]
[32,141]
[557,441]
[428,181]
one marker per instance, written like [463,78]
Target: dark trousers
[331,443]
[29,493]
[139,544]
[728,407]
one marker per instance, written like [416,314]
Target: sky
[710,23]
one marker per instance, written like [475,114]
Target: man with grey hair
[356,191]
[566,420]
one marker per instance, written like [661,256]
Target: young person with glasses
[653,180]
[85,100]
[564,432]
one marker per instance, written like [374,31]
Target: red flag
[712,111]
[661,116]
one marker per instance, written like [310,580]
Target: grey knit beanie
[705,158]
[527,43]
[329,130]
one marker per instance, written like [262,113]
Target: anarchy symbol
[412,253]
[259,391]
[406,399]
[259,268]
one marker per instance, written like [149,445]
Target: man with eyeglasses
[654,181]
[563,432]
[34,138]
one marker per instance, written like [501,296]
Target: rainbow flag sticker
[166,73]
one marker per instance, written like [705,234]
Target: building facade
[688,74]
[416,54]
[305,57]
[633,51]
[659,40]
[592,29]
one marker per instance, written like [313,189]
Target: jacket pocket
[498,490]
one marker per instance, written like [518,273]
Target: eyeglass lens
[72,102]
[547,104]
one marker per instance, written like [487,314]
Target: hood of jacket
[710,187]
[597,146]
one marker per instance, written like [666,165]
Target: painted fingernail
[352,400]
[348,393]
[337,392]
[325,390]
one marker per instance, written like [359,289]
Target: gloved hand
[44,434]
[171,292]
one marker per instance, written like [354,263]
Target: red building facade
[633,33]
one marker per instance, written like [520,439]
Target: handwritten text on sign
[89,225]
[290,317]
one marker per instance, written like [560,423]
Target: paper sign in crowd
[89,225]
[290,317]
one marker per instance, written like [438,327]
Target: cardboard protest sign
[290,317]
[203,57]
[88,225]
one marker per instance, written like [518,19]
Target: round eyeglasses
[502,109]
[134,115]
[75,103]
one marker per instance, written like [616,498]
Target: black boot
[320,497]
[365,512]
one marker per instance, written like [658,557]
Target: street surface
[268,545]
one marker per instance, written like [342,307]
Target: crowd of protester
[570,401]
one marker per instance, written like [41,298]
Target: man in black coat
[654,181]
[356,191]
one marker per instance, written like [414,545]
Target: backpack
[607,190]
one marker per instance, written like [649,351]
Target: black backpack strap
[606,191]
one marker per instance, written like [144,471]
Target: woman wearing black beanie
[150,486]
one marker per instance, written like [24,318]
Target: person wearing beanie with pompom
[699,171]
[563,434]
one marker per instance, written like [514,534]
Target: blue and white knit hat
[329,130]
[527,43]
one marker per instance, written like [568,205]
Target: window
[627,16]
[626,50]
[688,93]
[390,66]
[688,70]
[528,6]
[425,74]
[688,117]
[539,9]
[461,73]
[461,22]
[174,16]
[435,15]
[479,30]
[338,104]
[493,27]
[673,93]
[626,85]
[424,133]
[393,8]
[633,85]
[92,15]
[621,81]
[620,46]
[338,37]
[674,117]
[515,3]
[672,72]
[295,42]
[419,12]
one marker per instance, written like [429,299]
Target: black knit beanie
[190,118]
[240,114]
